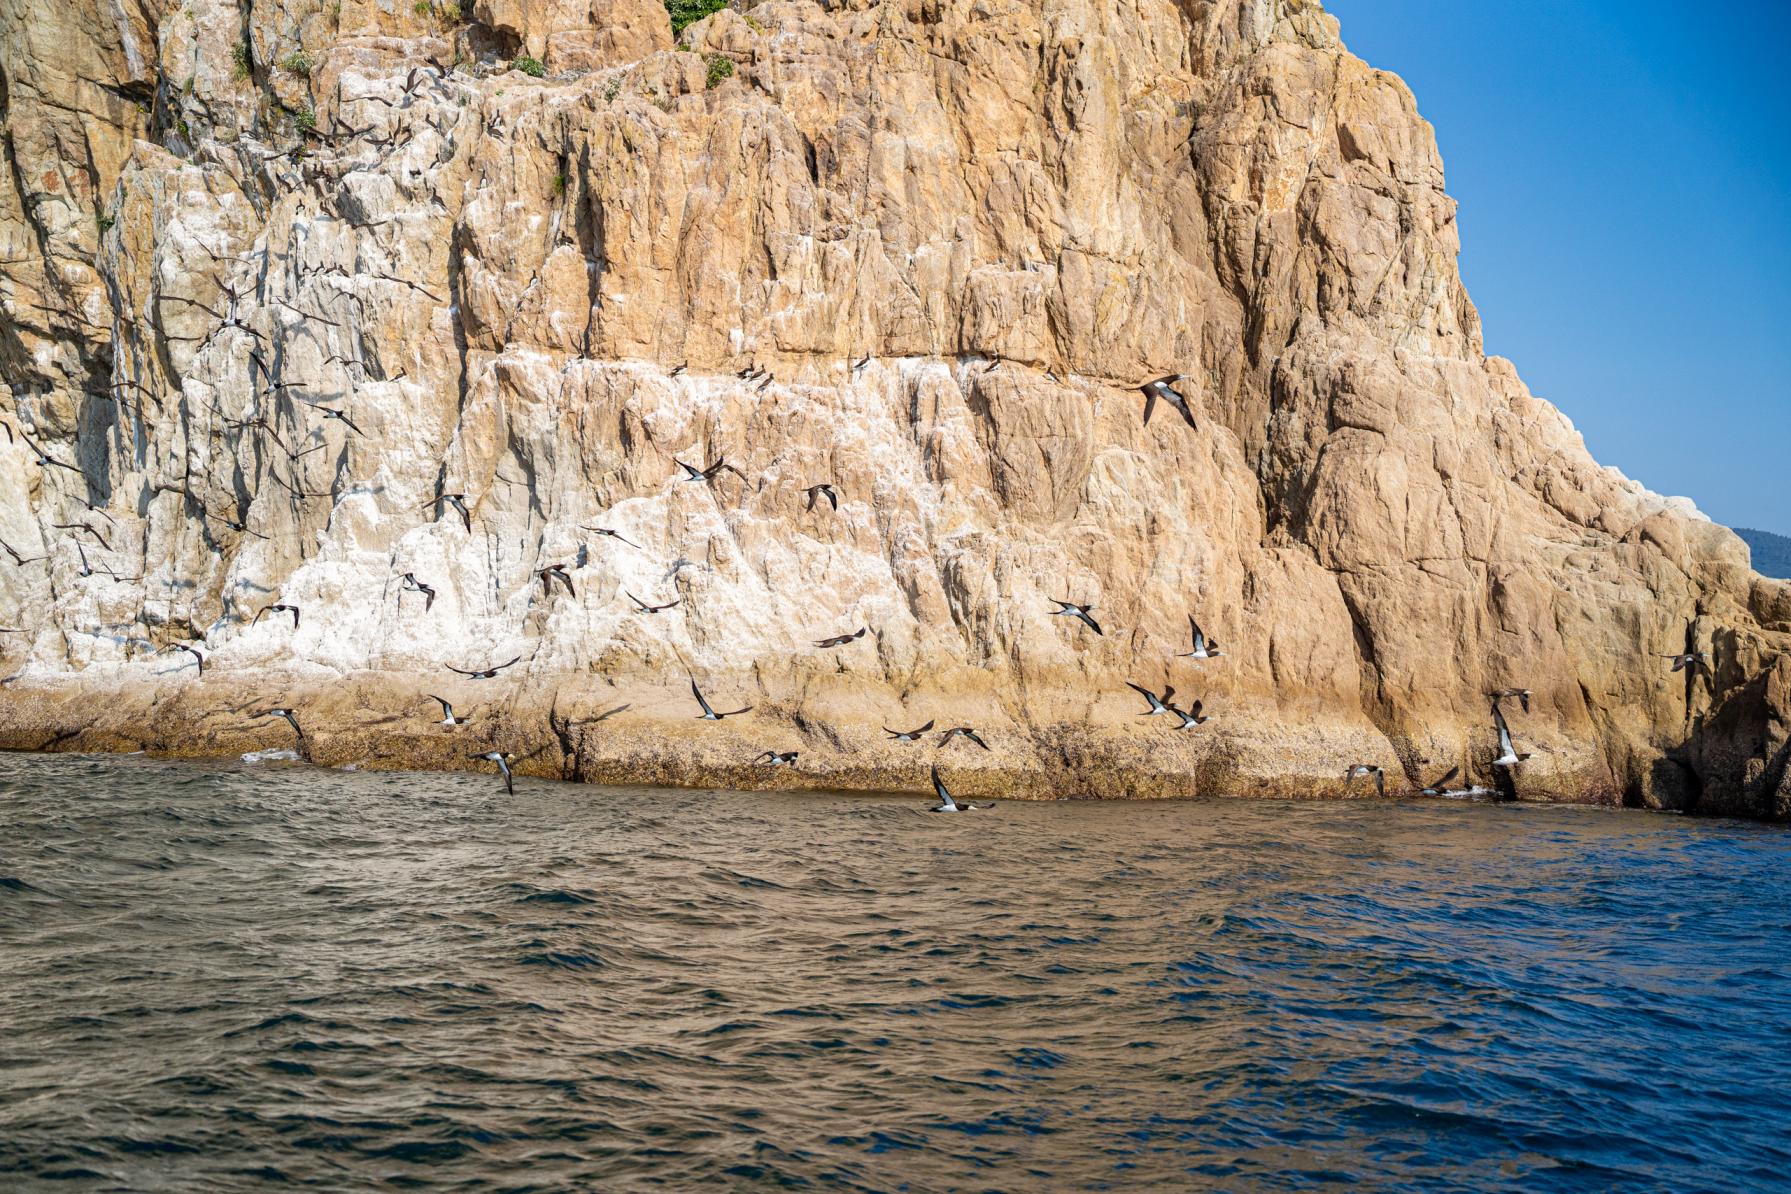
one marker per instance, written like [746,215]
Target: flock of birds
[1202,647]
[232,317]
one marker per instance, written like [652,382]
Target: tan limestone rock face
[922,252]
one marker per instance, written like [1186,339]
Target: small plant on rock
[720,67]
[305,119]
[242,65]
[688,12]
[298,63]
[532,67]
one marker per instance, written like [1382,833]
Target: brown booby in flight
[503,761]
[190,650]
[1158,704]
[715,469]
[908,735]
[1204,647]
[709,714]
[18,559]
[1191,718]
[552,573]
[339,415]
[1521,695]
[1361,769]
[614,535]
[1690,659]
[840,640]
[1162,388]
[1441,787]
[278,608]
[946,803]
[826,490]
[408,583]
[650,609]
[778,759]
[1508,756]
[961,732]
[448,718]
[456,500]
[1069,609]
[291,720]
[487,673]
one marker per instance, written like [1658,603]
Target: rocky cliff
[280,276]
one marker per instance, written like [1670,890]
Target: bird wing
[972,735]
[1150,401]
[1449,778]
[939,788]
[1092,624]
[696,692]
[447,709]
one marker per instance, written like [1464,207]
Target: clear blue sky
[1624,174]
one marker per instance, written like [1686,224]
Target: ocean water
[236,978]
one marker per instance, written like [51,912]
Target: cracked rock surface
[224,224]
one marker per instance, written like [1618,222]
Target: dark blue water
[231,979]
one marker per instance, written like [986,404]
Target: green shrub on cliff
[685,12]
[720,67]
[533,67]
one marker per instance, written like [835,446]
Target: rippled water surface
[229,978]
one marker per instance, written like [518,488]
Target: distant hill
[1772,553]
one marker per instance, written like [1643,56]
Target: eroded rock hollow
[278,277]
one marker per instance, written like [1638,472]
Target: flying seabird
[410,584]
[279,609]
[716,467]
[1441,787]
[503,762]
[946,803]
[840,640]
[709,714]
[88,569]
[1690,659]
[448,718]
[1204,648]
[861,363]
[1361,769]
[291,720]
[777,759]
[1069,609]
[1522,695]
[487,674]
[1191,718]
[1508,756]
[44,459]
[614,535]
[456,500]
[825,490]
[1161,388]
[908,735]
[552,573]
[190,650]
[1158,704]
[650,609]
[83,526]
[18,559]
[961,732]
[338,415]
[676,370]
